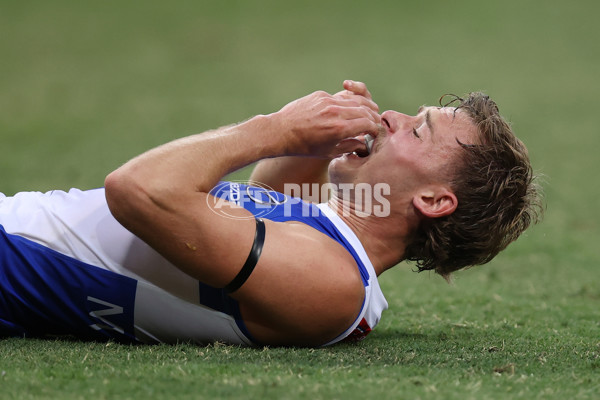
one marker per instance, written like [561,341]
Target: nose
[393,120]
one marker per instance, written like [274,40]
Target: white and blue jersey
[67,267]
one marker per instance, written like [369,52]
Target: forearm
[196,163]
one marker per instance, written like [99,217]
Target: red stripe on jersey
[360,332]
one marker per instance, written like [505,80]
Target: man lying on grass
[166,252]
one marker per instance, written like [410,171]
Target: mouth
[360,146]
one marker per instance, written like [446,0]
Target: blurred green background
[84,86]
[87,85]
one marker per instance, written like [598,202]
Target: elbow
[134,199]
[112,182]
[122,195]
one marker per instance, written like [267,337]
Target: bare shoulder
[306,288]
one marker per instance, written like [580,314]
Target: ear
[435,202]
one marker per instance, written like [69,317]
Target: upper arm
[185,230]
[305,288]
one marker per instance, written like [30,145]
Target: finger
[360,126]
[350,113]
[358,88]
[355,122]
[350,99]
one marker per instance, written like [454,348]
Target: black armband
[257,246]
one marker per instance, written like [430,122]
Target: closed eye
[415,133]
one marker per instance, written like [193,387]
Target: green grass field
[86,85]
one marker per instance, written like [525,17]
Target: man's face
[411,151]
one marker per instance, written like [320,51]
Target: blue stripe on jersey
[45,292]
[218,300]
[278,207]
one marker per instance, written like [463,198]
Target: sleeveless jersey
[67,267]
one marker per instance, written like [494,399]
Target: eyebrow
[427,118]
[428,121]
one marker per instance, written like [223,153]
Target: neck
[384,238]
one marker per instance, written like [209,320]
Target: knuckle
[330,101]
[337,127]
[331,109]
